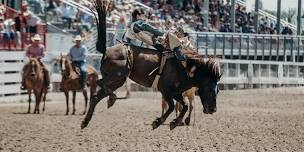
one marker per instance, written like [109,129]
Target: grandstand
[253,55]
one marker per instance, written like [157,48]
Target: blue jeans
[82,67]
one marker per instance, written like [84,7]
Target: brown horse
[33,77]
[122,61]
[190,94]
[70,82]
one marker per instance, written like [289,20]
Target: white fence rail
[11,64]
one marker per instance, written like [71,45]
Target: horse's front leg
[44,98]
[66,93]
[38,99]
[178,121]
[164,106]
[29,92]
[191,100]
[73,101]
[85,94]
[156,123]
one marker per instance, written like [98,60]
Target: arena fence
[10,76]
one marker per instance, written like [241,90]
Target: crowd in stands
[163,13]
[15,25]
[189,13]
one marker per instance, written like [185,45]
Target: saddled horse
[122,61]
[33,76]
[70,82]
[190,94]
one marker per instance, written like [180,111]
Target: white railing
[11,64]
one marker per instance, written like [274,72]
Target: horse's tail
[101,7]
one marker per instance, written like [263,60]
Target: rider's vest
[143,36]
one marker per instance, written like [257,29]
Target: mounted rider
[37,50]
[77,54]
[145,32]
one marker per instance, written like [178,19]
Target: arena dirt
[249,120]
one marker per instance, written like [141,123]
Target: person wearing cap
[77,54]
[31,22]
[37,50]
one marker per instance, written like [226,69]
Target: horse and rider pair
[125,60]
[77,54]
[36,79]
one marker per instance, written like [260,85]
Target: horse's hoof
[84,124]
[187,121]
[73,113]
[66,113]
[156,123]
[172,125]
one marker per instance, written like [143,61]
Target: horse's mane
[214,66]
[36,62]
[27,66]
[210,62]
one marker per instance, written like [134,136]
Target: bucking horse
[140,65]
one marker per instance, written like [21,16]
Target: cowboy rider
[145,32]
[77,54]
[37,50]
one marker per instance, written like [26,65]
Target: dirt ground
[247,120]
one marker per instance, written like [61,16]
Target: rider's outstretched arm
[151,29]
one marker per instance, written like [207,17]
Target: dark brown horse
[123,61]
[33,77]
[70,82]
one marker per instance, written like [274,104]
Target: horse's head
[206,75]
[64,63]
[34,67]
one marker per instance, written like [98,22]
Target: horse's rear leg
[66,93]
[29,100]
[38,100]
[105,90]
[73,101]
[164,106]
[85,94]
[191,100]
[44,98]
[178,121]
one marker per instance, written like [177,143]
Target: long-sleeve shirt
[78,54]
[149,28]
[35,51]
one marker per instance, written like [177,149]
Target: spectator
[9,33]
[67,13]
[120,28]
[32,22]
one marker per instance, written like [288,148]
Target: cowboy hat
[36,37]
[77,38]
